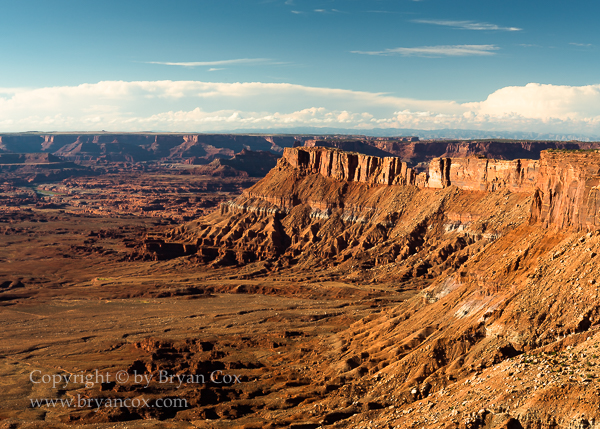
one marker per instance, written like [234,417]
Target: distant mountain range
[428,134]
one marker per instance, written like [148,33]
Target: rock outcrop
[481,174]
[568,194]
[502,325]
[321,205]
[245,163]
[26,168]
[474,173]
[351,167]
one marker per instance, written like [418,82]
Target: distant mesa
[415,152]
[37,167]
[201,149]
[245,163]
[139,147]
[28,158]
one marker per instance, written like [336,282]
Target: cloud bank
[212,106]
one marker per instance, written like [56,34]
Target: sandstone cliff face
[351,167]
[568,194]
[566,185]
[480,174]
[438,175]
[474,174]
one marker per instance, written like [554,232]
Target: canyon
[204,148]
[139,147]
[344,289]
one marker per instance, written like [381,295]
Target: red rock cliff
[481,174]
[565,185]
[568,194]
[467,173]
[351,167]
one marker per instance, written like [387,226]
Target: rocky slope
[323,206]
[503,332]
[328,207]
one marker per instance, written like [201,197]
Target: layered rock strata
[481,174]
[568,194]
[504,312]
[321,205]
[476,174]
[565,184]
[351,167]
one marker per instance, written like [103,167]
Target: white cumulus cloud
[214,106]
[537,101]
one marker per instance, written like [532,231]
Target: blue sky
[219,65]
